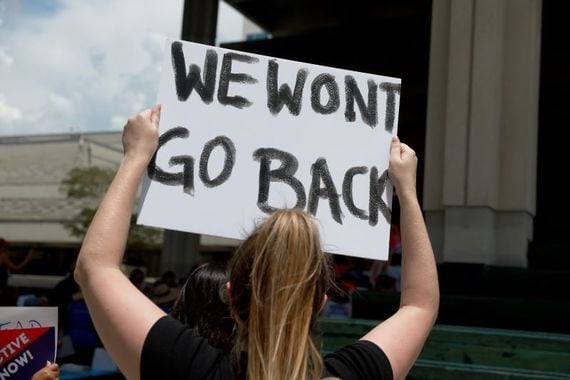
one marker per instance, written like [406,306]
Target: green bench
[454,352]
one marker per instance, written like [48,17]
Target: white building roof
[32,207]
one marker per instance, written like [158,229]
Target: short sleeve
[359,361]
[171,351]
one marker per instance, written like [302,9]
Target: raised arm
[121,314]
[403,335]
[4,258]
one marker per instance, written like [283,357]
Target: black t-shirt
[171,351]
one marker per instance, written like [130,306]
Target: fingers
[146,114]
[140,135]
[406,152]
[395,148]
[155,115]
[402,168]
[50,371]
[151,114]
[54,367]
[399,150]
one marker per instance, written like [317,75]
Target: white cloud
[8,113]
[118,121]
[61,103]
[78,64]
[2,11]
[68,65]
[5,59]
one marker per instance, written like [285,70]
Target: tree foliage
[88,185]
[89,182]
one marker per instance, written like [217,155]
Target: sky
[85,66]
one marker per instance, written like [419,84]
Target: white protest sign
[243,134]
[28,339]
[12,317]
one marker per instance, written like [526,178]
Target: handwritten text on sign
[242,135]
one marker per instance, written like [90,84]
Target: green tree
[86,186]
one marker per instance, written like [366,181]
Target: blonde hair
[279,279]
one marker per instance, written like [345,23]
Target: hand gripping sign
[242,135]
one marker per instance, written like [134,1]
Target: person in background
[278,284]
[203,305]
[386,275]
[6,263]
[163,295]
[169,278]
[137,278]
[64,293]
[9,296]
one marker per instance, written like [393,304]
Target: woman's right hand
[402,169]
[140,134]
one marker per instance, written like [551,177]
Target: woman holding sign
[278,284]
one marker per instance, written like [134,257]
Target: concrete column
[519,132]
[481,137]
[458,102]
[180,250]
[200,18]
[435,124]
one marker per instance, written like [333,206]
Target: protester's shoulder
[171,349]
[164,325]
[360,360]
[168,334]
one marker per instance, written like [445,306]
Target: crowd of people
[195,300]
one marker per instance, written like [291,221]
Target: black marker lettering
[391,90]
[226,76]
[186,177]
[276,99]
[368,112]
[187,172]
[185,83]
[377,187]
[347,191]
[320,171]
[229,161]
[333,103]
[285,173]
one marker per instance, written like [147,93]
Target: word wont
[203,82]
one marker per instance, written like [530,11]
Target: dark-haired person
[203,305]
[163,295]
[278,284]
[137,279]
